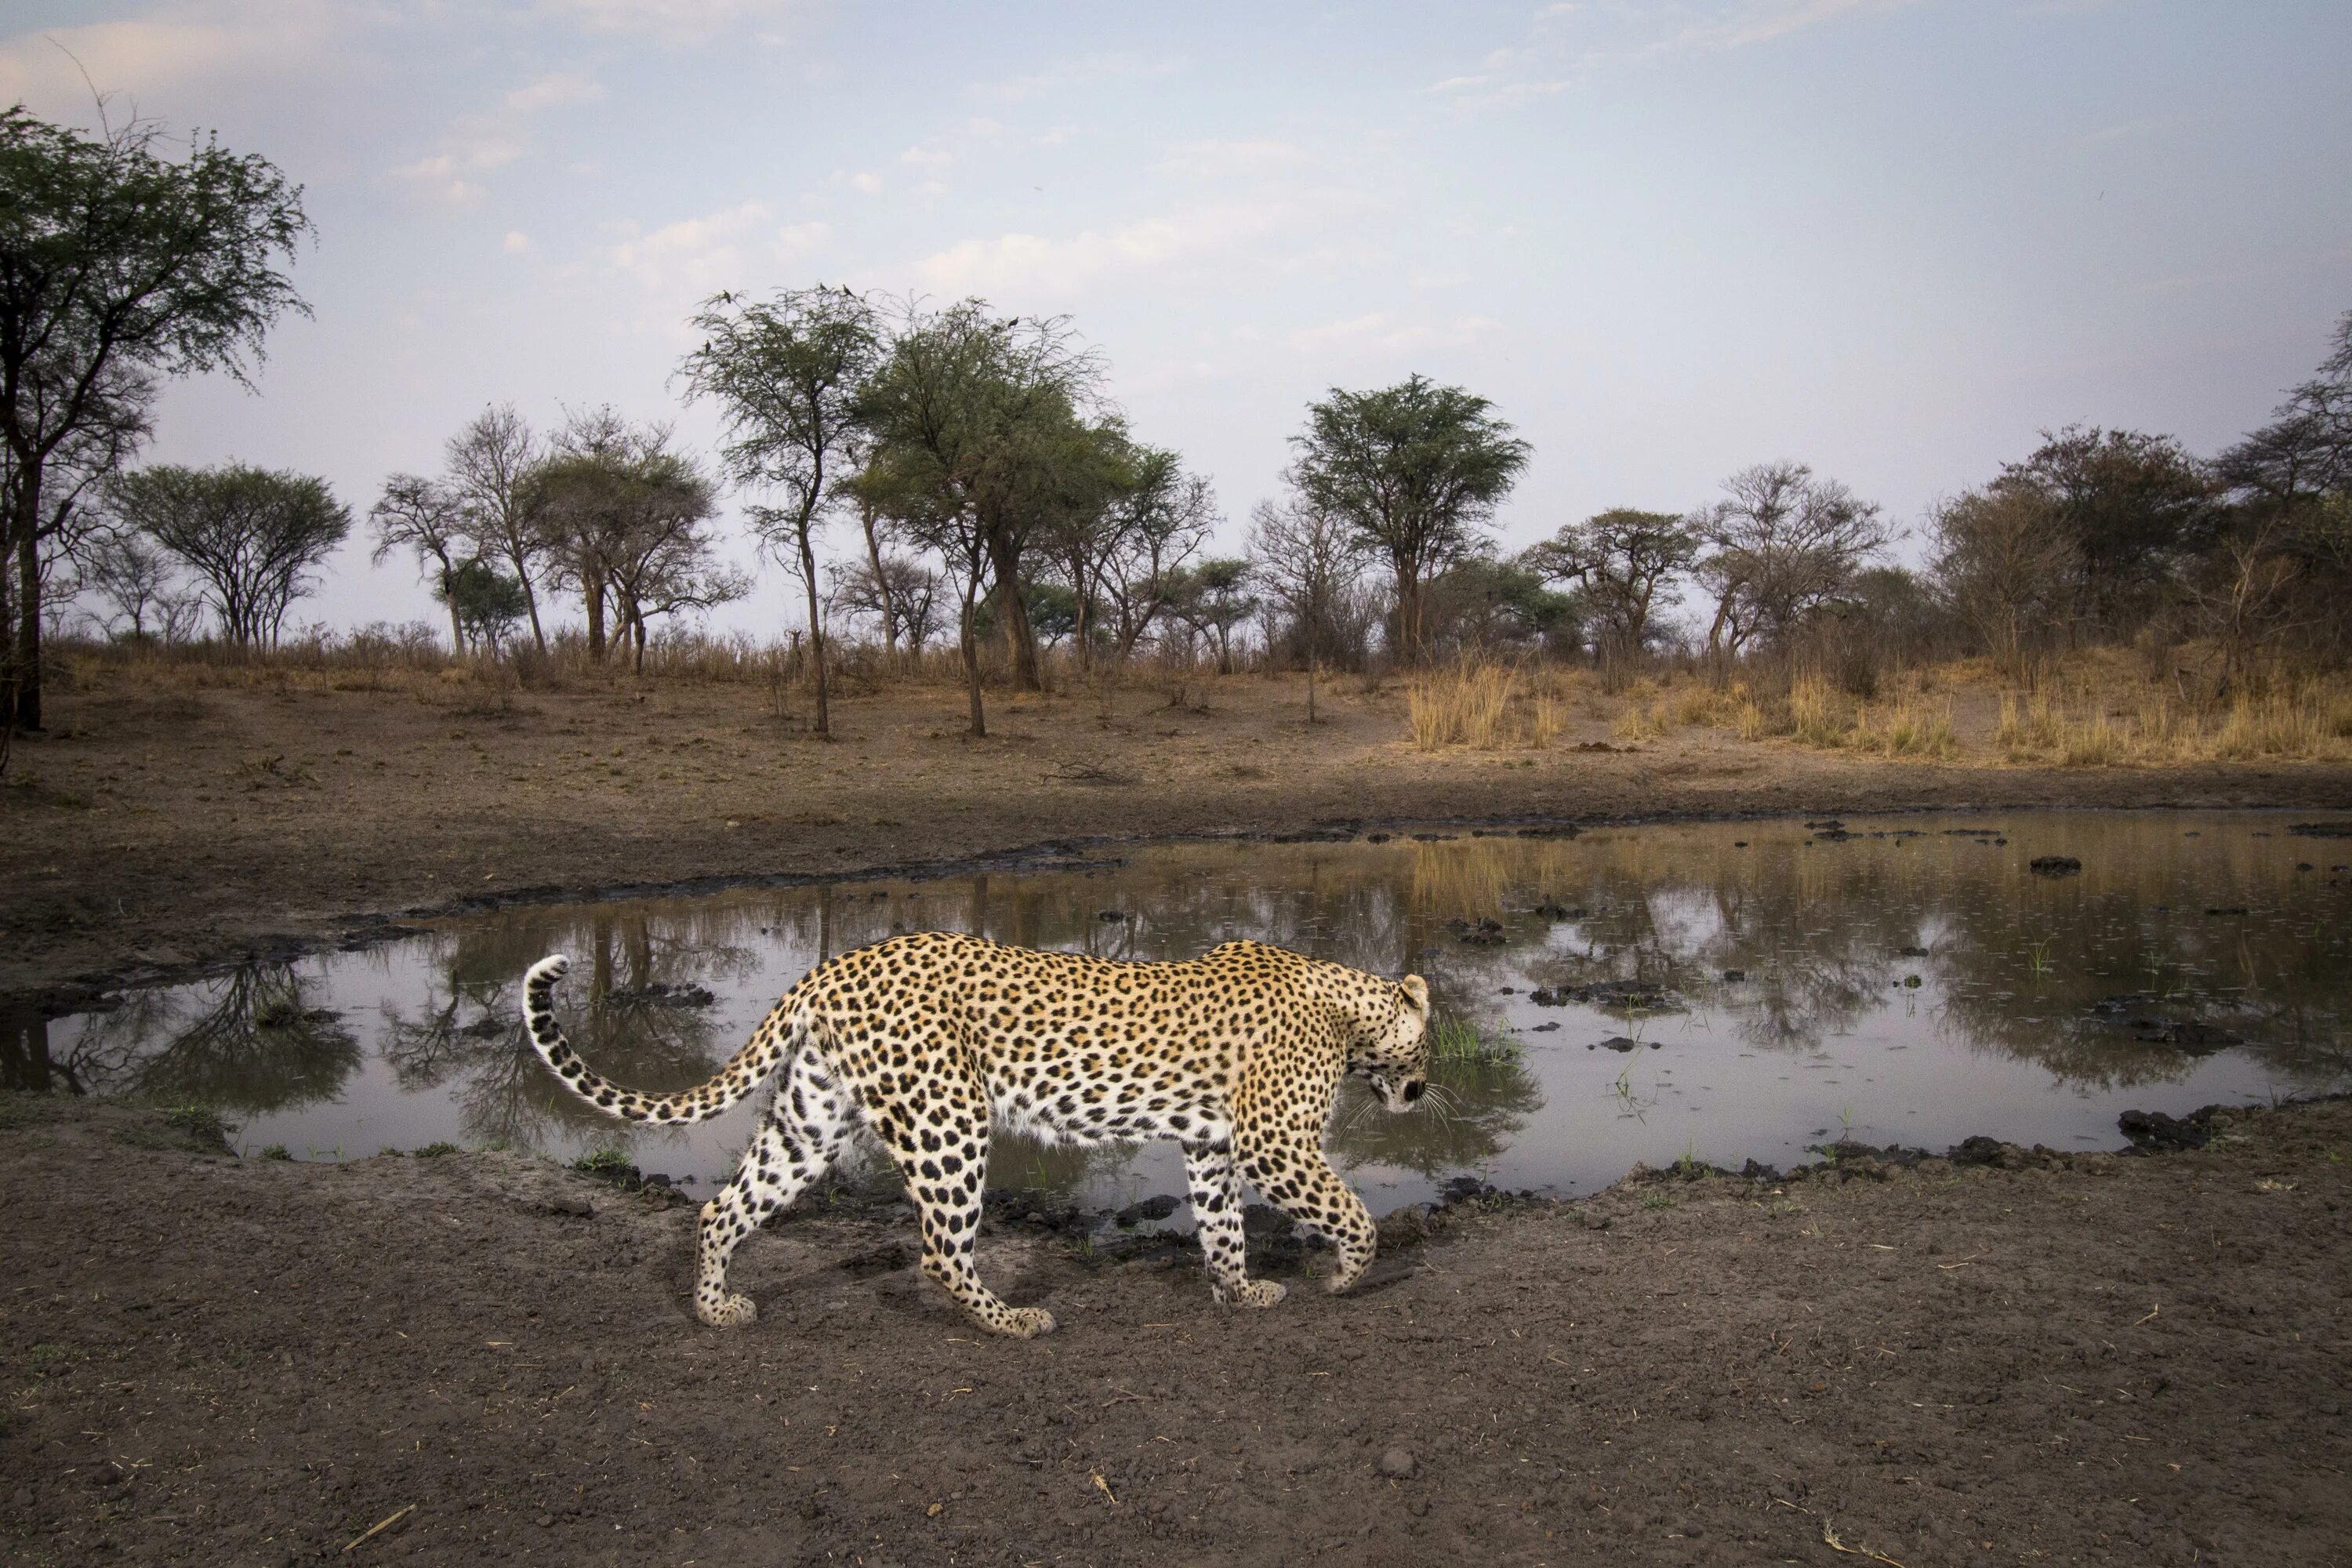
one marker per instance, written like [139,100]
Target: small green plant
[1658,1201]
[1689,1163]
[610,1163]
[1456,1040]
[434,1151]
[277,1152]
[1845,1124]
[2037,959]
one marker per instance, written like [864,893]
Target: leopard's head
[1391,1048]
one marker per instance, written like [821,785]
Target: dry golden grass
[1486,706]
[2087,730]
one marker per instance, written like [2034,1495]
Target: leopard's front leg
[1217,1216]
[1296,1178]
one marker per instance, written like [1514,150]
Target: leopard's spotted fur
[1236,1056]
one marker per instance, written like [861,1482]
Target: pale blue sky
[1669,241]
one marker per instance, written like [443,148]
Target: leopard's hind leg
[799,1139]
[937,1132]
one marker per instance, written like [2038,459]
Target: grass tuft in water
[1456,1040]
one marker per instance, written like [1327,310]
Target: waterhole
[1723,991]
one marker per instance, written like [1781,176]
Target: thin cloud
[175,46]
[1064,74]
[478,143]
[679,21]
[1020,264]
[738,247]
[1566,43]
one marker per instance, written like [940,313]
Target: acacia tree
[627,514]
[1417,470]
[1121,542]
[491,464]
[252,535]
[71,524]
[427,517]
[1781,544]
[787,375]
[977,441]
[2136,507]
[2284,552]
[1213,598]
[116,262]
[1625,563]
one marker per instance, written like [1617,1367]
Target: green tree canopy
[118,262]
[1626,562]
[787,374]
[252,535]
[1417,470]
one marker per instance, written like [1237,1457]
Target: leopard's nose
[1413,1089]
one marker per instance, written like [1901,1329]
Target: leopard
[928,1039]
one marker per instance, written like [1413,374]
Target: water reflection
[1752,982]
[256,1040]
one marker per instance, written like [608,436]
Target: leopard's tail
[780,1034]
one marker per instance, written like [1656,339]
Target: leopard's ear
[1416,992]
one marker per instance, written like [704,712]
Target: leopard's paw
[1253,1293]
[1026,1322]
[727,1312]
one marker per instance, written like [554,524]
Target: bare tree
[429,518]
[1309,561]
[137,581]
[491,464]
[1781,544]
[2005,566]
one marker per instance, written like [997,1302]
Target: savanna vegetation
[958,500]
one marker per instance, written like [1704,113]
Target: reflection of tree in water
[1473,1110]
[249,1041]
[632,1020]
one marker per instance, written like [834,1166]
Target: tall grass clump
[1481,707]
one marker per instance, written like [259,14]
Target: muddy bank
[147,837]
[2068,1358]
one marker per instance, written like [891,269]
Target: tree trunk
[27,661]
[972,660]
[816,627]
[1409,628]
[882,588]
[1019,640]
[592,591]
[530,603]
[449,593]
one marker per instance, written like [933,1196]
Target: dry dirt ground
[152,828]
[482,1358]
